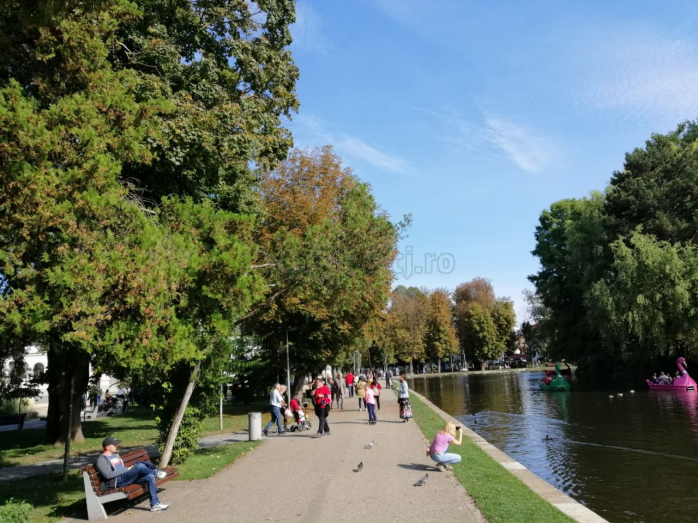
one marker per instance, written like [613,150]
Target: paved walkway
[77,462]
[302,479]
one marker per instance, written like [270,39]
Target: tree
[327,250]
[440,337]
[409,313]
[648,305]
[64,215]
[572,247]
[657,188]
[483,322]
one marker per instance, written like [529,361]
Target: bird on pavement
[359,467]
[369,445]
[422,481]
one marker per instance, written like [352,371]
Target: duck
[610,396]
[620,394]
[548,438]
[632,392]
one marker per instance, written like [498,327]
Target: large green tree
[440,336]
[327,249]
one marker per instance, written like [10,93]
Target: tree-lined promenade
[153,219]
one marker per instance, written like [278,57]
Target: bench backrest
[12,419]
[129,459]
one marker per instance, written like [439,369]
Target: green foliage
[618,271]
[15,512]
[440,337]
[187,441]
[484,323]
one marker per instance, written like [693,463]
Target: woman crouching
[438,451]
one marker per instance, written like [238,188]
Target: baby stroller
[302,422]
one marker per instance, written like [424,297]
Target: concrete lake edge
[561,501]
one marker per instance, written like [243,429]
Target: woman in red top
[323,399]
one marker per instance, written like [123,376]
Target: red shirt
[350,379]
[295,407]
[377,386]
[328,395]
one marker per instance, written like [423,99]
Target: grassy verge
[500,496]
[53,500]
[137,429]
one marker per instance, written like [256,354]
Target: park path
[302,479]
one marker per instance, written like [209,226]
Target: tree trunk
[177,420]
[66,450]
[63,367]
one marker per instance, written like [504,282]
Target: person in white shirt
[277,403]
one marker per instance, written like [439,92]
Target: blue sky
[474,116]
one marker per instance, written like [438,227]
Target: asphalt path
[297,478]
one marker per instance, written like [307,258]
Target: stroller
[302,422]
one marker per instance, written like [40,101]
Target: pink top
[440,443]
[369,396]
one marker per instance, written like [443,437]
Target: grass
[53,500]
[500,496]
[137,429]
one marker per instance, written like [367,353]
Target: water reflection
[631,459]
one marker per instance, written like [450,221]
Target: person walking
[388,380]
[376,386]
[276,403]
[338,390]
[361,392]
[438,451]
[370,401]
[350,383]
[403,398]
[323,400]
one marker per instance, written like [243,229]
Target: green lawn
[137,429]
[53,500]
[500,496]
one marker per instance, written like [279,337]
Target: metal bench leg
[95,510]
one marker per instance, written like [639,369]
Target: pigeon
[369,445]
[620,394]
[422,481]
[359,467]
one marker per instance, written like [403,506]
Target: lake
[629,459]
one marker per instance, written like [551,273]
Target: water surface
[630,459]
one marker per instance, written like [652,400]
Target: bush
[15,511]
[187,441]
[9,406]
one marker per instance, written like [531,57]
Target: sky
[475,116]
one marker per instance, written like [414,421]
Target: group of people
[326,396]
[664,378]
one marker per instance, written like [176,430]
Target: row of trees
[151,216]
[429,325]
[619,270]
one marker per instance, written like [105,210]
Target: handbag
[288,413]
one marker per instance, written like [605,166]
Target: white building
[37,363]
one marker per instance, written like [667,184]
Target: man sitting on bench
[114,473]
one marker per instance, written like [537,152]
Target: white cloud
[526,148]
[307,31]
[523,146]
[647,78]
[316,132]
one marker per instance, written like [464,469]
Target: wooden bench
[95,497]
[13,419]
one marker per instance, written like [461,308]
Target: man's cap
[110,441]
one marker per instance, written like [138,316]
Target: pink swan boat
[683,382]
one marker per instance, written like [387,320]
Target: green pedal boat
[555,384]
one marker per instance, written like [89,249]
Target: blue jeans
[371,412]
[275,416]
[143,474]
[446,458]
